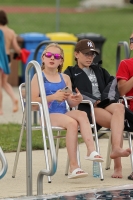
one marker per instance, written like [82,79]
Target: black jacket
[80,80]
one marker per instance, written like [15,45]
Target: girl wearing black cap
[95,84]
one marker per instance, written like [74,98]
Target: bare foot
[15,106]
[117,173]
[120,153]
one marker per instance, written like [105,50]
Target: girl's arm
[15,43]
[35,91]
[75,99]
[125,86]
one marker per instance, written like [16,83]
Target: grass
[113,24]
[9,136]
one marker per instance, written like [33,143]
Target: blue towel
[4,65]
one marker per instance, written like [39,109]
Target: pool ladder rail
[4,164]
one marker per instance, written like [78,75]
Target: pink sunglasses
[56,55]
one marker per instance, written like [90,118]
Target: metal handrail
[35,58]
[53,166]
[4,164]
[118,51]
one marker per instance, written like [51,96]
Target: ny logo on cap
[90,44]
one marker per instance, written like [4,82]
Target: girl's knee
[120,107]
[72,123]
[83,115]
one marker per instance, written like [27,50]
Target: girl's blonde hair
[61,53]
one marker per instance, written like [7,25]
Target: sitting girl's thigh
[115,107]
[58,119]
[77,114]
[103,117]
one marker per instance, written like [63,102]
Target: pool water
[126,194]
[115,194]
[103,195]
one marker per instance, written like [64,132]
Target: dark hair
[3,18]
[76,60]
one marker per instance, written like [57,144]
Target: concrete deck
[12,188]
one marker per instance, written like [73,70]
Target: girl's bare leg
[71,125]
[1,111]
[104,119]
[85,129]
[71,120]
[10,92]
[117,127]
[118,166]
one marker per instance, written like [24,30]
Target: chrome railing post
[4,164]
[125,45]
[53,167]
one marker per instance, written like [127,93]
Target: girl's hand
[76,97]
[61,96]
[97,102]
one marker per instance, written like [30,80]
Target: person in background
[54,82]
[92,81]
[125,80]
[125,76]
[8,41]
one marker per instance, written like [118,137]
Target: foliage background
[114,24]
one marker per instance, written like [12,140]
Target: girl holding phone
[54,82]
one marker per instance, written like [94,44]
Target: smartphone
[67,89]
